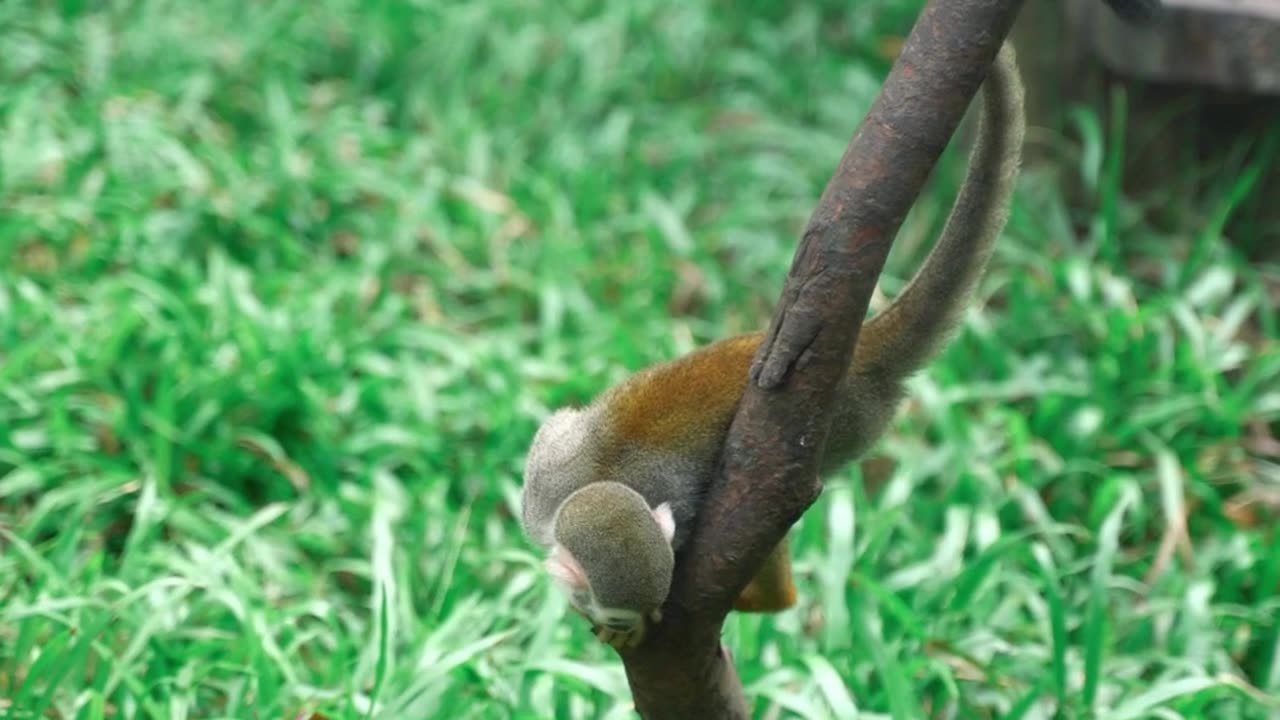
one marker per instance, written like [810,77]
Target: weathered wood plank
[1231,45]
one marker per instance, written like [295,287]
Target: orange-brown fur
[772,589]
[660,406]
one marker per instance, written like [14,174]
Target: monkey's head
[612,554]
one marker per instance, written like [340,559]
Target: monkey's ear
[666,520]
[564,568]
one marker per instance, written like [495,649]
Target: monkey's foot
[620,639]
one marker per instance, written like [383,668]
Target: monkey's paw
[629,637]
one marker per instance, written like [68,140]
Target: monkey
[612,488]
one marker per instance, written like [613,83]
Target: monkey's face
[619,627]
[572,578]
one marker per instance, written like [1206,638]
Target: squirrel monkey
[612,489]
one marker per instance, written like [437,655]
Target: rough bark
[770,462]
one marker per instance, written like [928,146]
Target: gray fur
[588,525]
[561,459]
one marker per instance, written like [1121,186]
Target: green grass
[285,288]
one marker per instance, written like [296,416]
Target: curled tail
[916,325]
[904,336]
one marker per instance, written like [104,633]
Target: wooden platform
[1200,91]
[1231,45]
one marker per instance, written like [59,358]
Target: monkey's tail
[914,327]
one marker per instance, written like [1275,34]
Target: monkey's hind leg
[771,590]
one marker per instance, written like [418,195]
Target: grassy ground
[285,288]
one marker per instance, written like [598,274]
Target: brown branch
[771,458]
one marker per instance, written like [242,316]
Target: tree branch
[772,455]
